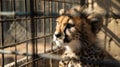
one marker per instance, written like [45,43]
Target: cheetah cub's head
[75,25]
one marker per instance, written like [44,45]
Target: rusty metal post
[33,31]
[82,2]
[2,35]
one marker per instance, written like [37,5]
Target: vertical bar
[14,9]
[32,30]
[82,2]
[2,31]
[26,30]
[35,10]
[44,28]
[63,4]
[51,23]
[44,32]
[51,30]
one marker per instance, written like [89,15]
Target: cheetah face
[74,24]
[65,30]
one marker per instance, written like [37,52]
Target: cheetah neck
[73,46]
[78,45]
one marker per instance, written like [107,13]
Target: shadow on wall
[110,6]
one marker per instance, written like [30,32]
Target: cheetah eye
[70,25]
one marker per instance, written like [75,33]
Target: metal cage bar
[2,35]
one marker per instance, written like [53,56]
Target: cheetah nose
[58,35]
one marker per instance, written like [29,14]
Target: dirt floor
[8,58]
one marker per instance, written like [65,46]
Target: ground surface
[22,48]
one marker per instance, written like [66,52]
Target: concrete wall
[109,6]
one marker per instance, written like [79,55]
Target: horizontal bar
[10,14]
[19,19]
[7,13]
[43,55]
[115,38]
[62,1]
[14,44]
[26,63]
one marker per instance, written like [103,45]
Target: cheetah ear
[62,11]
[96,22]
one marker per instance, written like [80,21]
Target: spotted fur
[76,30]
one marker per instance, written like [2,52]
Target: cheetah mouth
[61,42]
[57,41]
[66,40]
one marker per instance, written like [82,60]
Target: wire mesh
[26,28]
